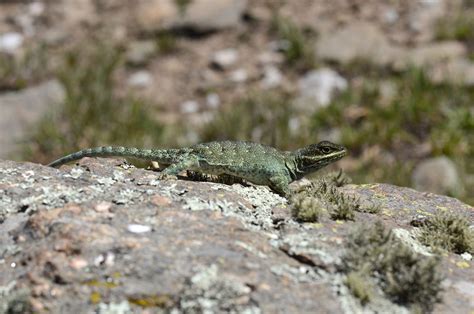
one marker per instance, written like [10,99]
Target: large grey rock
[20,110]
[437,175]
[455,71]
[356,41]
[431,54]
[104,236]
[200,15]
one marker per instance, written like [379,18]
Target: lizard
[256,163]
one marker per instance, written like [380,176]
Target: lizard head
[316,156]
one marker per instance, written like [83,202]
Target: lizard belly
[256,175]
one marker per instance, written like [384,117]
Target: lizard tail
[160,155]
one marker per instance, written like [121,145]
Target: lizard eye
[326,150]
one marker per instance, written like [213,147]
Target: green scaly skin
[253,162]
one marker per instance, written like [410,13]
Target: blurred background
[391,80]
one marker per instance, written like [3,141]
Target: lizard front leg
[279,184]
[173,170]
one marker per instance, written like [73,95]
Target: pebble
[136,228]
[272,77]
[239,76]
[225,58]
[140,79]
[10,42]
[320,85]
[189,106]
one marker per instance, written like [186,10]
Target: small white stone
[36,8]
[272,77]
[140,79]
[10,42]
[466,256]
[225,58]
[320,85]
[136,228]
[189,106]
[213,100]
[239,76]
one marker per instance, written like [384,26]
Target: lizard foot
[164,176]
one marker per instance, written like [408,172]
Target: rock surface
[103,236]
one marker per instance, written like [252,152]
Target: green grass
[259,117]
[420,112]
[92,114]
[299,52]
[19,71]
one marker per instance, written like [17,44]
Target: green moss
[449,232]
[404,276]
[95,297]
[360,286]
[92,114]
[161,301]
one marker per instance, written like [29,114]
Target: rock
[345,45]
[456,71]
[22,109]
[139,52]
[317,87]
[10,42]
[225,58]
[437,175]
[141,78]
[199,15]
[431,54]
[207,247]
[272,77]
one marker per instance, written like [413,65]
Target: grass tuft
[305,207]
[405,277]
[360,286]
[449,232]
[297,45]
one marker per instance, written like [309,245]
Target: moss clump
[311,201]
[404,276]
[360,286]
[344,207]
[449,232]
[306,208]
